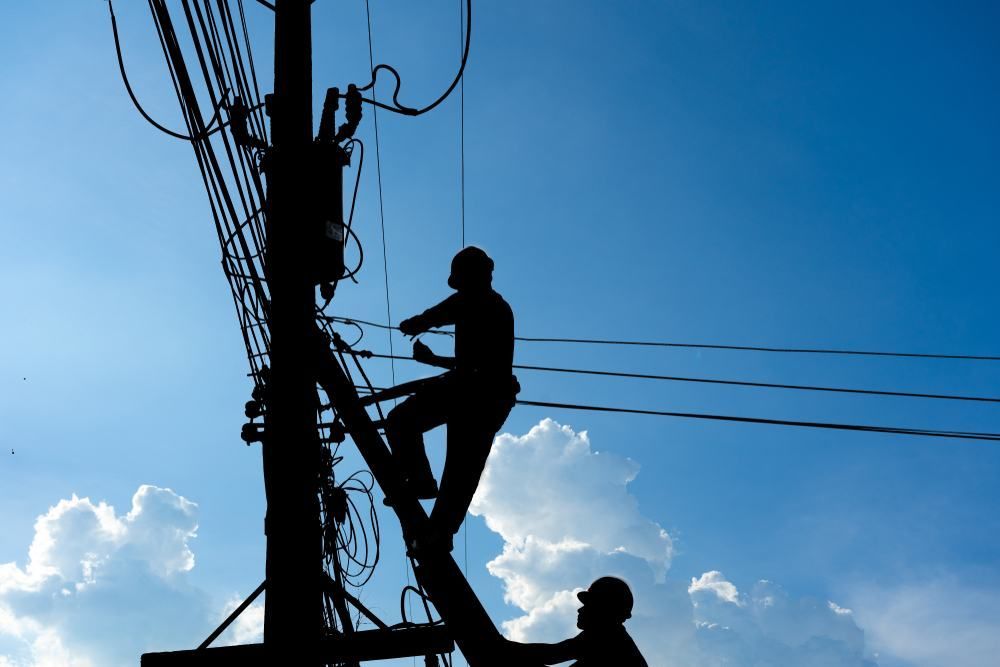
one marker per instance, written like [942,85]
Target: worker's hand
[422,353]
[411,326]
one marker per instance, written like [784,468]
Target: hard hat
[470,262]
[611,595]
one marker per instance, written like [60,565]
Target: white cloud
[548,483]
[99,588]
[937,623]
[714,582]
[566,516]
[837,609]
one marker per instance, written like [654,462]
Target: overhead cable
[710,346]
[932,433]
[867,428]
[738,383]
[381,205]
[461,116]
[755,348]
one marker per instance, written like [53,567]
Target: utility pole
[293,617]
[304,235]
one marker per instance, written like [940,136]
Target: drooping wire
[135,100]
[357,180]
[410,111]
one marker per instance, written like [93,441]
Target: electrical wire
[461,116]
[409,111]
[135,100]
[737,383]
[898,430]
[381,207]
[461,153]
[754,348]
[385,259]
[933,433]
[242,241]
[355,320]
[357,179]
[748,348]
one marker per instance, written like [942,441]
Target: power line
[866,428]
[933,433]
[754,348]
[709,346]
[738,383]
[381,206]
[461,153]
[381,213]
[461,114]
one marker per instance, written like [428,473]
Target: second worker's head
[471,269]
[608,601]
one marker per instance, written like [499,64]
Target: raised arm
[546,654]
[435,316]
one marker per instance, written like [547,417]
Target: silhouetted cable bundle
[357,530]
[227,152]
[229,148]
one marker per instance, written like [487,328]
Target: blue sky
[791,174]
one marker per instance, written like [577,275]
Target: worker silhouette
[603,640]
[473,398]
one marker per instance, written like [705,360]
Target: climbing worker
[473,398]
[603,639]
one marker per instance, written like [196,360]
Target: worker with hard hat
[473,398]
[603,640]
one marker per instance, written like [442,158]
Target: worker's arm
[435,316]
[424,355]
[547,654]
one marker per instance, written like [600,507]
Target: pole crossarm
[358,647]
[464,616]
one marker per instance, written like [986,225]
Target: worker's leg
[464,462]
[404,429]
[479,413]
